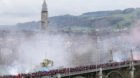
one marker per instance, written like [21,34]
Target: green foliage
[78,28]
[117,19]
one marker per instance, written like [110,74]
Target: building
[44,17]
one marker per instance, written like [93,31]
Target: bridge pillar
[132,72]
[100,73]
[58,76]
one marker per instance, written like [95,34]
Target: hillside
[87,22]
[103,20]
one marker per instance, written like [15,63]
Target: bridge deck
[77,70]
[95,70]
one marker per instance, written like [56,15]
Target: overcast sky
[15,11]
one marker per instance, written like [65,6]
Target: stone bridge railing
[78,70]
[98,69]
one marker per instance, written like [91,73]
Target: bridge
[125,69]
[118,69]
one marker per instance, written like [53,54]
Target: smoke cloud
[23,52]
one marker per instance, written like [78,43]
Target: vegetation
[87,22]
[103,20]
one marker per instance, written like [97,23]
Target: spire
[44,6]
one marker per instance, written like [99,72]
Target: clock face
[44,17]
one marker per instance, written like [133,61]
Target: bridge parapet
[80,70]
[97,70]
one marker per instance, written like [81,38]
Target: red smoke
[134,35]
[136,55]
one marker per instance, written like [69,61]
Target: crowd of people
[69,70]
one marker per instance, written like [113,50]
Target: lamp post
[132,65]
[111,56]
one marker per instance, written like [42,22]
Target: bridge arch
[114,72]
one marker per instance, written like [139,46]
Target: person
[17,76]
[45,69]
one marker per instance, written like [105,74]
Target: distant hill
[103,20]
[90,21]
[27,26]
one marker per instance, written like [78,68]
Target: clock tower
[44,17]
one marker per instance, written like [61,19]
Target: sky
[19,11]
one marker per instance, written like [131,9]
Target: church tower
[44,17]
